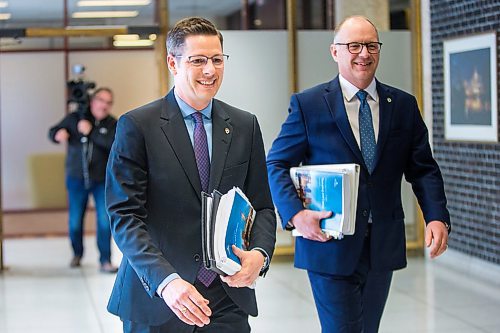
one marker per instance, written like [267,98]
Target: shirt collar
[349,90]
[187,110]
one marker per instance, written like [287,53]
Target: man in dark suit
[165,153]
[384,133]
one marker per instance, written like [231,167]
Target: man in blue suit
[356,119]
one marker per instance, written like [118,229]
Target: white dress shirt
[352,104]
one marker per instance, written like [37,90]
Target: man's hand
[251,264]
[307,223]
[187,303]
[84,127]
[62,135]
[436,235]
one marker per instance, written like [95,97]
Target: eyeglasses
[357,47]
[201,60]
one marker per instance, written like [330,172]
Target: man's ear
[171,64]
[333,51]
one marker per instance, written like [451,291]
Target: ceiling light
[126,37]
[5,16]
[4,4]
[132,43]
[105,14]
[152,36]
[96,3]
[98,27]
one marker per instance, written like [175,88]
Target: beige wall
[32,99]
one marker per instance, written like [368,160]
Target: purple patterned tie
[200,144]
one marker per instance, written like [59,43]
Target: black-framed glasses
[201,60]
[357,47]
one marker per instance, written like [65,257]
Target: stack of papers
[226,220]
[330,187]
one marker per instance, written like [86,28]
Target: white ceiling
[35,13]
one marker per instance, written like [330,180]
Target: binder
[207,227]
[225,220]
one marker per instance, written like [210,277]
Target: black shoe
[108,268]
[75,262]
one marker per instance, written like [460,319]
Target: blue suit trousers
[351,304]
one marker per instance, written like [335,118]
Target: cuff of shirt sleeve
[165,282]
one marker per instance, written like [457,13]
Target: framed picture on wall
[470,88]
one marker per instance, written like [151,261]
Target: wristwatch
[265,266]
[447,225]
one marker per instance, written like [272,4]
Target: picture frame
[470,88]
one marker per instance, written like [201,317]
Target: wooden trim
[292,78]
[284,250]
[416,30]
[146,48]
[1,210]
[76,31]
[29,234]
[161,48]
[291,10]
[37,210]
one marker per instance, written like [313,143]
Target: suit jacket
[317,131]
[153,196]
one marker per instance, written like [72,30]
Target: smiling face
[359,69]
[197,85]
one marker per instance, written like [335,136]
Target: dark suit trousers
[226,317]
[351,304]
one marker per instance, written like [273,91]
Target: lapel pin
[389,99]
[226,130]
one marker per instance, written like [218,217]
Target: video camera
[79,93]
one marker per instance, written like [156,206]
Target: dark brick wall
[471,171]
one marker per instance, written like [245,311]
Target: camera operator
[89,135]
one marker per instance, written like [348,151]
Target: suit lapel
[386,107]
[174,127]
[222,132]
[335,101]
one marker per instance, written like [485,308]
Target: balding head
[350,20]
[350,49]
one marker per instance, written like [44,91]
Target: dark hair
[190,26]
[98,90]
[339,26]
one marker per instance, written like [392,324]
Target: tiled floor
[39,293]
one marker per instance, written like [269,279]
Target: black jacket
[100,140]
[153,196]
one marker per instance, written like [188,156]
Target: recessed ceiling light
[105,14]
[96,3]
[4,4]
[126,37]
[98,27]
[5,16]
[132,43]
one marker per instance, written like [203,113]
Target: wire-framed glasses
[357,47]
[201,60]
